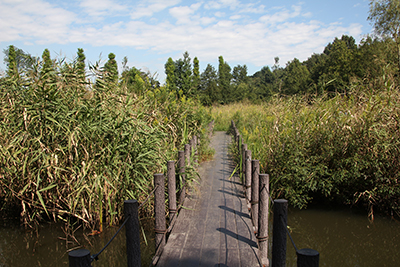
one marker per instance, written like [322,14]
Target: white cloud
[99,8]
[148,8]
[282,32]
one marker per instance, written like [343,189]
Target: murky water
[48,246]
[342,237]
[345,237]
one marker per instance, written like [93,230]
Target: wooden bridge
[214,226]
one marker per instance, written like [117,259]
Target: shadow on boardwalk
[214,227]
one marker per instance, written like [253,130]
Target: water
[345,237]
[48,246]
[342,237]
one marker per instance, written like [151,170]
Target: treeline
[342,65]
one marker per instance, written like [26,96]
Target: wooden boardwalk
[214,228]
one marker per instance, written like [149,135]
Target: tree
[224,80]
[385,16]
[208,86]
[170,72]
[183,75]
[296,79]
[196,75]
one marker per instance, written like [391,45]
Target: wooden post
[263,212]
[159,210]
[238,142]
[196,160]
[248,176]
[279,234]
[79,258]
[132,232]
[244,148]
[171,189]
[255,172]
[182,169]
[187,154]
[307,257]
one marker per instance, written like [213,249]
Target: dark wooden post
[279,233]
[79,258]
[182,169]
[263,212]
[248,176]
[255,172]
[171,189]
[132,233]
[244,148]
[159,210]
[238,142]
[307,257]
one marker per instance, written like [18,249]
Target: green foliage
[72,151]
[341,149]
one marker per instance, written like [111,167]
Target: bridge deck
[214,228]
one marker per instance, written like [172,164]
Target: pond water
[342,237]
[48,246]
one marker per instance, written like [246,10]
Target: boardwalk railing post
[244,148]
[307,257]
[279,233]
[79,258]
[132,231]
[171,189]
[182,169]
[248,176]
[255,172]
[263,219]
[196,160]
[159,210]
[187,154]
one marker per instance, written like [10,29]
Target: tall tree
[385,16]
[296,79]
[196,75]
[183,75]
[170,73]
[208,86]
[224,79]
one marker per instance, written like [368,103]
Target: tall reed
[70,149]
[343,149]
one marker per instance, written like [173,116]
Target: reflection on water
[48,247]
[345,238]
[342,237]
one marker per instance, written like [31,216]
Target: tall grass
[72,150]
[343,149]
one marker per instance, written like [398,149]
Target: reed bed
[343,149]
[73,151]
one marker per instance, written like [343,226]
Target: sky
[148,32]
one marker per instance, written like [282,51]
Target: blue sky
[148,32]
